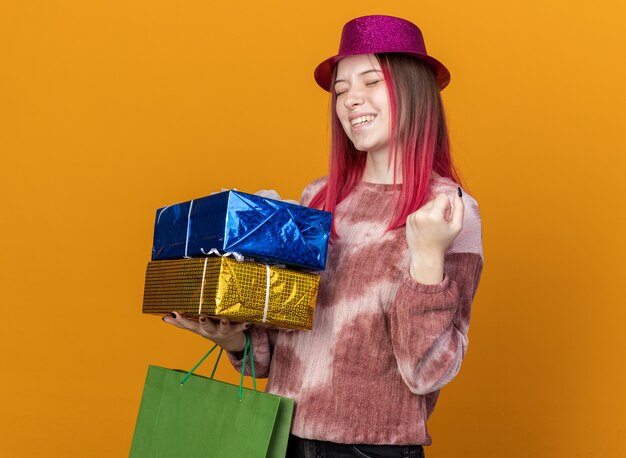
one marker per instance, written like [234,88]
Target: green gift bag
[194,416]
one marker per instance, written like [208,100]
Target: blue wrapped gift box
[254,226]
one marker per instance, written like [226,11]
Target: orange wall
[112,109]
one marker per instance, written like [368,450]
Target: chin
[362,146]
[366,147]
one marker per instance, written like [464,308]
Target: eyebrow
[361,74]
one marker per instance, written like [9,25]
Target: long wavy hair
[418,139]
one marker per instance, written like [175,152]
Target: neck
[378,170]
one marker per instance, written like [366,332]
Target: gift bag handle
[246,351]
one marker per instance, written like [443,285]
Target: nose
[353,98]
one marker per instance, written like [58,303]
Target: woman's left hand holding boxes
[229,336]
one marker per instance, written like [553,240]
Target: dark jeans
[305,448]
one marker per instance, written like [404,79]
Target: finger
[458,211]
[207,324]
[181,322]
[170,318]
[224,325]
[240,326]
[268,194]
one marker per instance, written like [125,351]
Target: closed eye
[369,83]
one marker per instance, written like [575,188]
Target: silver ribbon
[234,254]
[188,228]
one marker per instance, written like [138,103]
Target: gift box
[254,226]
[239,290]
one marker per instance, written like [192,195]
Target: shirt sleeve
[263,340]
[429,324]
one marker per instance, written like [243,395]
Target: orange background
[112,109]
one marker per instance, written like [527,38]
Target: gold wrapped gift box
[224,287]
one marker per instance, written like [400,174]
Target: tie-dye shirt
[382,344]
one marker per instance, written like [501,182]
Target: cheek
[382,101]
[340,111]
[342,115]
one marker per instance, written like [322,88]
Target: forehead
[357,64]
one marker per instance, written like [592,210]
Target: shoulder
[470,238]
[311,189]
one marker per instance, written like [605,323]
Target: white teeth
[362,120]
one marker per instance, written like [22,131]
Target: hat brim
[324,71]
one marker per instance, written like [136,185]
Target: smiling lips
[361,120]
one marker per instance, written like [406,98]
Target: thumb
[441,205]
[458,209]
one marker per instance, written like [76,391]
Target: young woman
[403,265]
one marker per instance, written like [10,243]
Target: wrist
[427,268]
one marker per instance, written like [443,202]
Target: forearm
[429,324]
